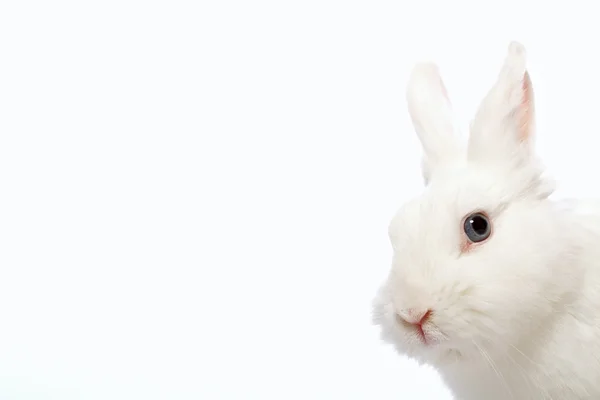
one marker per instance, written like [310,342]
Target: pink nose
[414,316]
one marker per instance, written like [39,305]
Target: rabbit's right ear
[502,131]
[431,115]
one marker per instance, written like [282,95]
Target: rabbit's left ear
[503,128]
[431,114]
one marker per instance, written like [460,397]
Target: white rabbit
[492,283]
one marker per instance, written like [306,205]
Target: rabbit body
[493,283]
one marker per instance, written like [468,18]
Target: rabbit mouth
[426,334]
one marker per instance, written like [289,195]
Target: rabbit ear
[503,127]
[431,115]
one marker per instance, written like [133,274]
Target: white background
[194,196]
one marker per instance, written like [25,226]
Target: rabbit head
[481,257]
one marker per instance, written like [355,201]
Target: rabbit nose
[414,316]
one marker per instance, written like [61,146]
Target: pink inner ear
[444,91]
[526,109]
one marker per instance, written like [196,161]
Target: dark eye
[477,227]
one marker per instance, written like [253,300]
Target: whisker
[534,389]
[493,365]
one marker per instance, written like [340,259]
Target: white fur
[518,316]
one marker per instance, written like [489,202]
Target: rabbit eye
[477,227]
